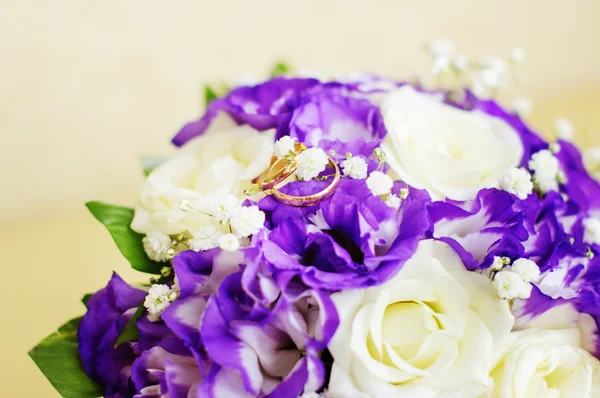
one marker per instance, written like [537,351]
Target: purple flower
[157,358]
[263,106]
[334,116]
[581,188]
[158,373]
[334,122]
[352,239]
[109,310]
[275,350]
[253,338]
[490,225]
[545,223]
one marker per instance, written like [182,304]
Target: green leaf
[57,357]
[150,162]
[117,220]
[131,331]
[86,298]
[210,95]
[279,69]
[215,91]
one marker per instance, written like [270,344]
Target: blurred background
[88,86]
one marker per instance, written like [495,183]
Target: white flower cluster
[158,299]
[381,184]
[485,75]
[522,106]
[232,224]
[517,181]
[564,129]
[546,169]
[158,246]
[311,163]
[284,146]
[354,167]
[514,281]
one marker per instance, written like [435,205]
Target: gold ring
[279,170]
[309,200]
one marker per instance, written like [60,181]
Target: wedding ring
[309,200]
[279,170]
[282,168]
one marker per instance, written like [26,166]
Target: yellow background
[87,86]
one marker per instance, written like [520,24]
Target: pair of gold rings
[282,168]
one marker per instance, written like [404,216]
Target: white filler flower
[522,106]
[517,181]
[311,163]
[393,201]
[355,167]
[205,238]
[433,330]
[510,285]
[284,146]
[527,269]
[545,167]
[453,153]
[229,243]
[157,301]
[564,128]
[157,246]
[379,183]
[247,221]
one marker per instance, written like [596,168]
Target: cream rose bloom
[548,364]
[453,153]
[433,330]
[213,166]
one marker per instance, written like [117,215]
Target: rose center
[405,327]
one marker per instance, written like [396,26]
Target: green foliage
[280,69]
[215,91]
[210,95]
[117,220]
[86,298]
[131,331]
[57,356]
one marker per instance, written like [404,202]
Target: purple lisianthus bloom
[350,240]
[158,373]
[263,106]
[199,275]
[546,221]
[581,189]
[490,225]
[338,123]
[251,337]
[274,351]
[131,368]
[109,310]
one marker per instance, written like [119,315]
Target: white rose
[549,364]
[450,152]
[208,168]
[433,330]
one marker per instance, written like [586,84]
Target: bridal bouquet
[350,238]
